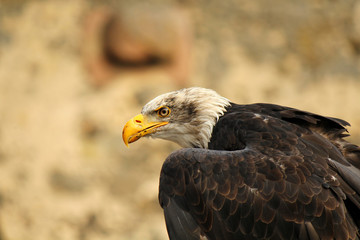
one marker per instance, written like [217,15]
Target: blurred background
[73,72]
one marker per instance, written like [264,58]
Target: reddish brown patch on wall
[137,38]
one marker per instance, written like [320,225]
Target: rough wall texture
[64,171]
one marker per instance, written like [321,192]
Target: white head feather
[194,113]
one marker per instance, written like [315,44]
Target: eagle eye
[163,111]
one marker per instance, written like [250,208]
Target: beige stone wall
[64,171]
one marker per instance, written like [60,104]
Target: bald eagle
[258,171]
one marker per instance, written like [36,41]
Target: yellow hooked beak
[138,127]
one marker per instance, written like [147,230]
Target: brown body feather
[270,172]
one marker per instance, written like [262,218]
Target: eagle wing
[286,183]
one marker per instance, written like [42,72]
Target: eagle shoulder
[264,177]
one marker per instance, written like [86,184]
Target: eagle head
[186,117]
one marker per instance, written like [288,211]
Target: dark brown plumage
[269,172]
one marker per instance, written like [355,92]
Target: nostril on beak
[138,121]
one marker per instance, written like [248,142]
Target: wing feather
[180,224]
[285,182]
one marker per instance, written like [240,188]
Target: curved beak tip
[126,136]
[132,129]
[126,142]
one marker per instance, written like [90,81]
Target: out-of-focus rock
[135,38]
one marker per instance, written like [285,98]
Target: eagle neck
[205,129]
